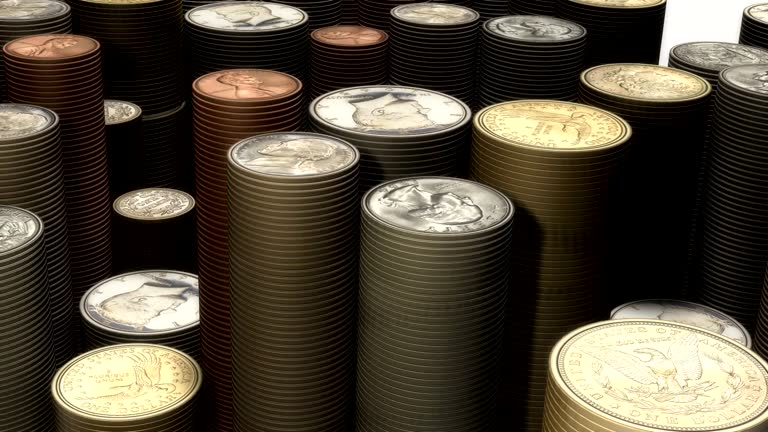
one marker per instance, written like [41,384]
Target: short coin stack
[137,387]
[530,57]
[293,220]
[124,136]
[754,26]
[434,274]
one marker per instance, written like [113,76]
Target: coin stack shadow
[170,317]
[28,361]
[761,327]
[618,33]
[490,8]
[563,189]
[347,56]
[322,13]
[434,46]
[53,16]
[533,7]
[222,116]
[734,235]
[433,291]
[376,13]
[31,177]
[293,226]
[216,40]
[516,63]
[68,81]
[124,136]
[754,26]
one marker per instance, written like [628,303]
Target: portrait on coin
[22,8]
[294,156]
[762,79]
[568,129]
[14,231]
[19,122]
[52,47]
[647,82]
[444,208]
[244,16]
[435,13]
[532,29]
[389,111]
[696,318]
[243,85]
[352,37]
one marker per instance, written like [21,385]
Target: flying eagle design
[574,121]
[146,370]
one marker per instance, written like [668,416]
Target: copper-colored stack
[63,73]
[228,106]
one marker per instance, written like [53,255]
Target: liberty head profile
[49,48]
[390,112]
[244,85]
[245,15]
[445,208]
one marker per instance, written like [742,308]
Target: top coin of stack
[754,26]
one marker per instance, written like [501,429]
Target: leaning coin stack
[293,231]
[247,34]
[761,328]
[31,177]
[434,274]
[19,19]
[618,31]
[154,228]
[530,57]
[754,26]
[400,131]
[124,136]
[169,314]
[434,46]
[27,361]
[376,13]
[128,387]
[532,7]
[734,236]
[347,56]
[229,106]
[561,183]
[322,13]
[63,73]
[639,375]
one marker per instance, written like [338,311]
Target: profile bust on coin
[535,28]
[295,156]
[26,8]
[389,111]
[246,15]
[719,55]
[14,123]
[15,228]
[351,35]
[445,208]
[434,13]
[243,85]
[52,47]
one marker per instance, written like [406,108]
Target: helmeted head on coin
[445,208]
[391,112]
[295,155]
[245,15]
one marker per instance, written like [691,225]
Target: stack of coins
[347,56]
[154,228]
[434,274]
[124,139]
[618,31]
[761,328]
[294,219]
[63,73]
[31,178]
[684,312]
[229,106]
[400,131]
[434,46]
[490,8]
[169,312]
[19,19]
[123,387]
[247,34]
[376,13]
[533,7]
[558,162]
[754,26]
[530,57]
[188,5]
[348,12]
[667,109]
[27,361]
[165,153]
[734,236]
[141,45]
[650,375]
[322,13]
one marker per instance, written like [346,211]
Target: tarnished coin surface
[646,82]
[392,110]
[239,84]
[758,12]
[534,28]
[349,35]
[23,120]
[31,10]
[438,205]
[435,13]
[622,3]
[17,227]
[753,78]
[717,56]
[655,375]
[116,111]
[52,46]
[552,124]
[246,16]
[686,313]
[123,1]
[294,154]
[154,204]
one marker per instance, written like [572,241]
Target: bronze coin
[51,48]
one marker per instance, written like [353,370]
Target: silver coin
[435,13]
[758,12]
[534,28]
[17,228]
[247,16]
[621,3]
[753,78]
[116,111]
[154,204]
[717,56]
[31,9]
[23,120]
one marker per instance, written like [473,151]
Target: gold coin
[622,3]
[645,82]
[650,375]
[552,125]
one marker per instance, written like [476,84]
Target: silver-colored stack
[754,26]
[124,138]
[293,228]
[533,7]
[434,272]
[322,13]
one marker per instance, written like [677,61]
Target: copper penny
[51,46]
[247,85]
[349,35]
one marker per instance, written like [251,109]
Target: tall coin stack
[490,8]
[347,56]
[31,177]
[761,328]
[27,361]
[124,137]
[754,26]
[229,106]
[434,46]
[618,31]
[400,131]
[63,73]
[293,219]
[137,387]
[322,13]
[734,235]
[434,274]
[532,7]
[247,34]
[558,162]
[165,151]
[348,12]
[18,19]
[667,109]
[376,13]
[650,375]
[530,57]
[169,316]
